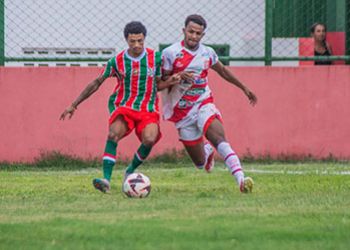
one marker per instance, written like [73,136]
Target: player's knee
[112,136]
[149,139]
[217,141]
[215,137]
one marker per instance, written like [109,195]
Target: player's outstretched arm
[228,76]
[91,88]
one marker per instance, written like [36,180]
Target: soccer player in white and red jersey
[190,106]
[134,102]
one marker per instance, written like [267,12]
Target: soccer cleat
[246,185]
[210,160]
[102,185]
[210,163]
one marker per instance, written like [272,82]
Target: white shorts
[198,124]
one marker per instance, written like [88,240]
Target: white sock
[208,149]
[232,161]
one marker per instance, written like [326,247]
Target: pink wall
[301,111]
[306,48]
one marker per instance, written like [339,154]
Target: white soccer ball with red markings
[137,185]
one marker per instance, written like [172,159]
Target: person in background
[321,46]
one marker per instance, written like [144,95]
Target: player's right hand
[251,96]
[69,111]
[174,79]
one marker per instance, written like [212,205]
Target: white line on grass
[221,168]
[261,171]
[298,172]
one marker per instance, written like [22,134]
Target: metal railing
[255,32]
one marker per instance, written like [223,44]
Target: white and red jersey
[180,101]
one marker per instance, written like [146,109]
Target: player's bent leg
[196,153]
[150,134]
[201,154]
[215,132]
[117,130]
[149,137]
[216,135]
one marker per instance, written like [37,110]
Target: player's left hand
[187,76]
[251,96]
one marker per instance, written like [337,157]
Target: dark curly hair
[134,27]
[198,19]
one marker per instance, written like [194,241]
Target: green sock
[141,154]
[109,159]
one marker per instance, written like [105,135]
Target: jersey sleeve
[158,64]
[167,60]
[213,56]
[111,68]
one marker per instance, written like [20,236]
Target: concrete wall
[304,110]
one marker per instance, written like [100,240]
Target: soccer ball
[137,185]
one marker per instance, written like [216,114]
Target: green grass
[293,206]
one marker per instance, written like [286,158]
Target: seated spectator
[321,47]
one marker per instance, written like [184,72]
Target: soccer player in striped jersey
[190,106]
[134,102]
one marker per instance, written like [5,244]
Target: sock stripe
[109,155]
[237,170]
[139,156]
[232,154]
[108,158]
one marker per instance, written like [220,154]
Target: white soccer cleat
[246,186]
[209,166]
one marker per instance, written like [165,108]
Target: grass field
[293,206]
